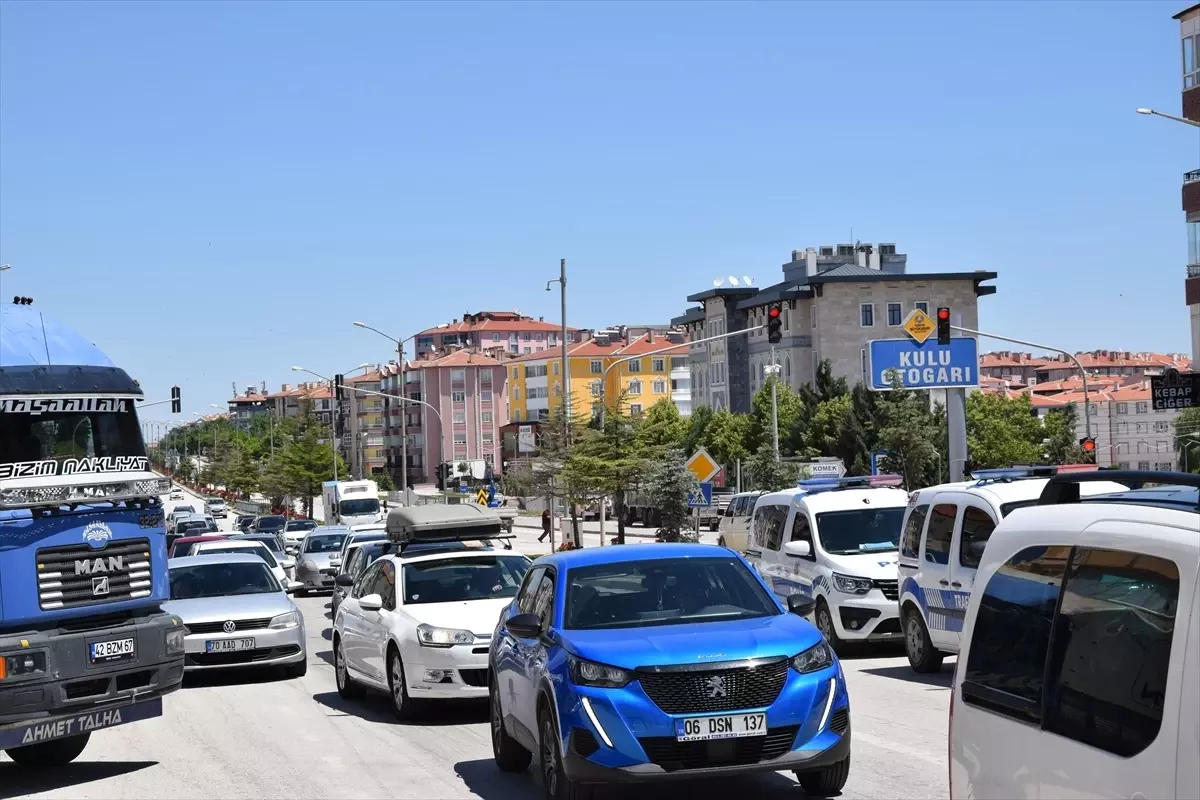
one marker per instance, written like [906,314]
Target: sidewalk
[528,529]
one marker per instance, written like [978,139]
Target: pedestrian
[545,525]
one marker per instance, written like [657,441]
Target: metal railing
[1191,177]
[1193,270]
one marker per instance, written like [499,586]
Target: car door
[943,618]
[529,655]
[971,532]
[377,624]
[766,539]
[802,571]
[352,622]
[504,658]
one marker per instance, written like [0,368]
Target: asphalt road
[249,734]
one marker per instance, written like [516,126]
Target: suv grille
[840,721]
[219,627]
[76,575]
[672,755]
[890,589]
[727,689]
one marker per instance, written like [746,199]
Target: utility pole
[404,423]
[774,405]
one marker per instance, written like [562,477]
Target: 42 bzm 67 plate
[112,650]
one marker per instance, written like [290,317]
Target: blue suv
[647,662]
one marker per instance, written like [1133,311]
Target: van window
[1007,659]
[977,528]
[801,532]
[1111,648]
[910,545]
[941,531]
[768,526]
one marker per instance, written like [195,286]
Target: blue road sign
[876,457]
[701,496]
[924,366]
[493,503]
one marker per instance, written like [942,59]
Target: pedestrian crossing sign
[482,497]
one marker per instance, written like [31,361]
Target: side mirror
[800,605]
[287,563]
[371,602]
[335,562]
[345,579]
[292,586]
[797,549]
[524,626]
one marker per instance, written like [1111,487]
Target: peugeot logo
[229,626]
[716,687]
[100,586]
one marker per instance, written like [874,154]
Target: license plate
[114,650]
[728,726]
[228,645]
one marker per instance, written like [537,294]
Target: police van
[946,528]
[1079,674]
[833,540]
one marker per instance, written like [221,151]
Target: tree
[789,406]
[907,430]
[661,426]
[768,474]
[669,484]
[615,458]
[185,468]
[697,426]
[306,462]
[725,437]
[1187,439]
[1002,431]
[1062,438]
[384,482]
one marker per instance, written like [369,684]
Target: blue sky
[215,191]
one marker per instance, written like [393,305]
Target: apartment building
[494,333]
[459,403]
[835,299]
[1189,32]
[535,381]
[284,403]
[363,431]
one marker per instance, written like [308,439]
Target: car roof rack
[813,485]
[1064,487]
[461,522]
[982,477]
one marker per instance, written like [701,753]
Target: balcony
[1191,177]
[1193,270]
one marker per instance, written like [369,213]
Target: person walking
[546,523]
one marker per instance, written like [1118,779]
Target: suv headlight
[431,636]
[850,584]
[175,638]
[286,620]
[817,657]
[589,673]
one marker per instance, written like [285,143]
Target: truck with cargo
[84,642]
[351,503]
[641,510]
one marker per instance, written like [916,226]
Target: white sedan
[418,626]
[278,569]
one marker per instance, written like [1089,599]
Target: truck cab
[351,503]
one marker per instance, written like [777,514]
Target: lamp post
[332,422]
[1195,437]
[1152,113]
[442,425]
[561,280]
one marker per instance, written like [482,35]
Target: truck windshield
[354,508]
[861,530]
[50,442]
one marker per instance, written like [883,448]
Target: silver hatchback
[313,568]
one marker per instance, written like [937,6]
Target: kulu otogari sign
[926,365]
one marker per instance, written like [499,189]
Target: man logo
[716,687]
[97,535]
[229,626]
[87,566]
[99,586]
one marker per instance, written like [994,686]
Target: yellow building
[535,380]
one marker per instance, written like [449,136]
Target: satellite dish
[746,280]
[733,281]
[717,283]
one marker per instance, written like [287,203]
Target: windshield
[325,543]
[669,591]
[69,436]
[459,579]
[271,542]
[862,530]
[183,510]
[191,525]
[219,580]
[354,508]
[249,550]
[301,525]
[269,523]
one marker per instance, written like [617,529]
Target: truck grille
[726,689]
[76,575]
[890,589]
[219,627]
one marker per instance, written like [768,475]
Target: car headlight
[431,636]
[589,673]
[26,664]
[175,638]
[286,620]
[817,657]
[850,584]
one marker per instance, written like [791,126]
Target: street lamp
[561,280]
[332,421]
[1150,112]
[1194,436]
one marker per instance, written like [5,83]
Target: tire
[302,593]
[824,620]
[826,780]
[922,656]
[510,756]
[555,783]
[721,541]
[55,753]
[297,670]
[347,687]
[713,527]
[404,706]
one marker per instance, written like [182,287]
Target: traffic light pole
[774,405]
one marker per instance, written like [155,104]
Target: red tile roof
[616,348]
[460,358]
[497,321]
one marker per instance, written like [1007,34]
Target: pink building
[469,392]
[504,331]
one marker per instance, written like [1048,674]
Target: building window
[1143,465]
[486,417]
[538,337]
[458,397]
[635,409]
[1122,408]
[458,375]
[1141,408]
[659,365]
[635,387]
[1165,466]
[460,438]
[597,388]
[516,373]
[866,315]
[485,377]
[597,367]
[1162,427]
[635,365]
[659,386]
[535,371]
[787,368]
[1141,427]
[460,417]
[1191,77]
[555,365]
[516,415]
[495,337]
[894,311]
[485,395]
[922,305]
[487,438]
[516,393]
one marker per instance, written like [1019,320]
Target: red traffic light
[774,312]
[943,314]
[1088,445]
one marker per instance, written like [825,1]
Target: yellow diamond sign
[919,325]
[702,465]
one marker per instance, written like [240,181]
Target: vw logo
[229,626]
[716,687]
[97,535]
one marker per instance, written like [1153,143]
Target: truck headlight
[431,636]
[175,638]
[850,584]
[819,656]
[284,621]
[23,665]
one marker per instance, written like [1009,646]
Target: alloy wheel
[339,665]
[549,759]
[397,683]
[916,645]
[497,723]
[825,624]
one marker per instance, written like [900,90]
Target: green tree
[384,482]
[725,437]
[790,409]
[697,427]
[241,474]
[306,462]
[1061,437]
[185,469]
[661,426]
[1187,439]
[669,483]
[615,458]
[769,475]
[907,430]
[1003,431]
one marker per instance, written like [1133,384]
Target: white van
[946,529]
[734,529]
[1080,668]
[833,540]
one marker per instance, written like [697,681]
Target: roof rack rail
[1022,472]
[1064,487]
[812,485]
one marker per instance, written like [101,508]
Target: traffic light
[339,387]
[176,402]
[943,325]
[1088,445]
[774,324]
[339,423]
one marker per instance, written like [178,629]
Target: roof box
[442,523]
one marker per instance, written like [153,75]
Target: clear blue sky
[215,191]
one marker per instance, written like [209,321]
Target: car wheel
[922,656]
[825,625]
[347,687]
[404,706]
[510,756]
[55,753]
[297,670]
[302,593]
[555,783]
[826,780]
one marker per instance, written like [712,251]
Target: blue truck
[84,642]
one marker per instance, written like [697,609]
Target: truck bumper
[75,683]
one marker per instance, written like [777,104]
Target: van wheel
[826,780]
[922,656]
[715,526]
[54,753]
[825,625]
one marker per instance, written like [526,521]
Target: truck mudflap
[61,727]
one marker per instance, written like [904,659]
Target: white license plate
[115,650]
[726,726]
[228,645]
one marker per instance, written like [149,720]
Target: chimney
[650,336]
